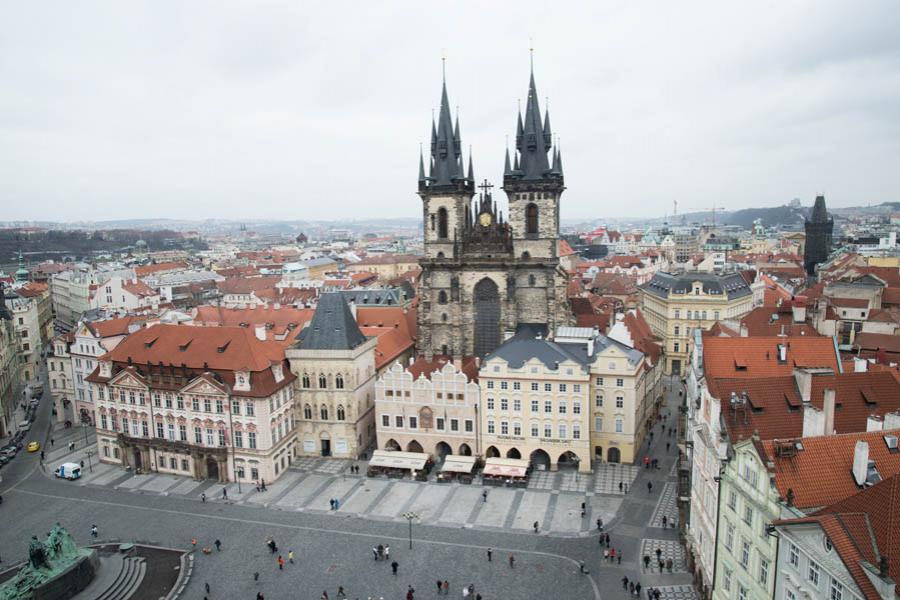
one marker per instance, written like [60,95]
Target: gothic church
[485,276]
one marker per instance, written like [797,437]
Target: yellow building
[675,304]
[386,266]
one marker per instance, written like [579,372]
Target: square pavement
[670,549]
[666,506]
[678,592]
[607,477]
[542,480]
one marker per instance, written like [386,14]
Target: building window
[490,426]
[599,400]
[763,571]
[251,441]
[490,385]
[548,406]
[837,590]
[517,428]
[144,429]
[534,430]
[220,406]
[743,594]
[504,404]
[341,415]
[159,430]
[676,347]
[249,409]
[599,381]
[490,404]
[182,433]
[210,437]
[221,437]
[535,406]
[729,537]
[517,385]
[677,330]
[576,432]
[716,315]
[385,420]
[184,464]
[504,428]
[195,405]
[748,515]
[305,381]
[548,430]
[562,431]
[439,424]
[548,387]
[576,388]
[236,407]
[620,401]
[534,386]
[745,553]
[620,426]
[598,423]
[398,421]
[576,408]
[562,387]
[198,435]
[504,385]
[620,383]
[517,405]
[131,398]
[442,223]
[339,381]
[179,402]
[207,405]
[469,426]
[454,424]
[726,579]
[323,383]
[562,407]
[323,413]
[812,573]
[732,499]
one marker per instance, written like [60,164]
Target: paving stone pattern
[666,506]
[678,592]
[608,476]
[670,549]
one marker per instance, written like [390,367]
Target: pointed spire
[533,138]
[507,170]
[471,176]
[516,164]
[446,154]
[421,165]
[548,136]
[559,167]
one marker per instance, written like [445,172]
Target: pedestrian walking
[665,520]
[625,582]
[446,587]
[94,533]
[620,486]
[583,509]
[259,596]
[438,584]
[606,555]
[224,494]
[203,497]
[218,544]
[669,565]
[512,561]
[280,563]
[380,550]
[42,455]
[331,503]
[646,561]
[600,521]
[375,552]
[341,592]
[637,588]
[646,462]
[410,593]
[649,487]
[619,556]
[207,587]
[668,445]
[660,564]
[631,587]
[291,556]
[324,595]
[387,552]
[394,566]
[51,442]
[581,568]
[465,592]
[535,526]
[658,553]
[612,555]
[490,554]
[484,496]
[256,576]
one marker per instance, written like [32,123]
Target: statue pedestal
[71,580]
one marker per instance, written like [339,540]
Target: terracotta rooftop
[850,302]
[891,296]
[388,316]
[138,288]
[285,321]
[769,321]
[821,473]
[776,406]
[247,285]
[878,341]
[740,357]
[115,327]
[145,270]
[392,343]
[469,366]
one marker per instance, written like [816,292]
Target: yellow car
[34,446]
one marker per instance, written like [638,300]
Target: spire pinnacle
[421,165]
[507,170]
[471,176]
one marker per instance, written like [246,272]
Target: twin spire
[534,140]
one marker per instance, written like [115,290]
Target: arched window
[444,318]
[341,415]
[323,412]
[339,381]
[440,255]
[531,219]
[444,349]
[323,383]
[526,255]
[307,411]
[531,280]
[442,223]
[442,297]
[306,382]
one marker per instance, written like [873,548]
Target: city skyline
[196,113]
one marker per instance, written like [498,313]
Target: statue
[37,554]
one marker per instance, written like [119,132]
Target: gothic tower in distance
[819,228]
[483,276]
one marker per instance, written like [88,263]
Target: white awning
[458,464]
[506,467]
[398,460]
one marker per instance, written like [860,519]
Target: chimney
[813,421]
[353,307]
[860,462]
[860,365]
[804,384]
[799,313]
[744,331]
[261,333]
[874,423]
[828,408]
[590,346]
[892,420]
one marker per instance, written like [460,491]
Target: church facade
[484,275]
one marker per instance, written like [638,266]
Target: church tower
[819,229]
[484,277]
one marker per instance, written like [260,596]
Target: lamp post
[410,516]
[90,453]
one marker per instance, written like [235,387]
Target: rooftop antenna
[531,52]
[444,64]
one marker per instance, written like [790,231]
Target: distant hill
[776,215]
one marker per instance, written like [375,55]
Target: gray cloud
[290,110]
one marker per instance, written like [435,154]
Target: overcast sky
[300,110]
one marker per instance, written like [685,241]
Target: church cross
[485,187]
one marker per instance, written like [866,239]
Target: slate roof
[378,297]
[519,349]
[731,285]
[332,327]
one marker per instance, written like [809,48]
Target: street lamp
[410,516]
[90,453]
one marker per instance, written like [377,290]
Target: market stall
[397,464]
[511,472]
[459,468]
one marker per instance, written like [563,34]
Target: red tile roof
[878,341]
[285,321]
[392,343]
[388,316]
[247,285]
[159,268]
[564,249]
[850,302]
[138,288]
[758,356]
[891,296]
[760,322]
[115,327]
[643,337]
[32,289]
[821,473]
[469,366]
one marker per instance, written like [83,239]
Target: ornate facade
[483,275]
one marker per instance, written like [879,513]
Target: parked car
[24,425]
[68,471]
[34,446]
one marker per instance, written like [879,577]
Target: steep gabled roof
[332,327]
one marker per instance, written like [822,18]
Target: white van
[68,471]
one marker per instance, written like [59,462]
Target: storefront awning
[458,464]
[411,461]
[506,467]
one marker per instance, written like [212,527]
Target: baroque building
[484,275]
